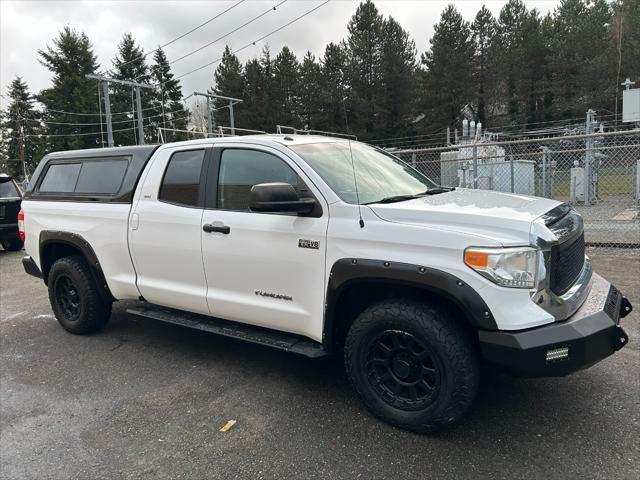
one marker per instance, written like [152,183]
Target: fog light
[556,354]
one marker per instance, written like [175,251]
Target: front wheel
[413,365]
[75,298]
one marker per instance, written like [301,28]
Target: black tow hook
[620,338]
[625,307]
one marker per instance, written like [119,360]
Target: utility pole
[20,139]
[107,105]
[232,102]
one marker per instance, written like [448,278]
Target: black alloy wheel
[402,370]
[67,297]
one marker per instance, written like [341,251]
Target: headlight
[508,267]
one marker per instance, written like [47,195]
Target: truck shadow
[504,404]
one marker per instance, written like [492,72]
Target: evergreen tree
[626,38]
[583,57]
[510,45]
[309,87]
[333,92]
[228,83]
[398,79]
[267,99]
[69,60]
[130,64]
[285,88]
[364,41]
[168,110]
[253,96]
[20,117]
[448,80]
[484,30]
[533,82]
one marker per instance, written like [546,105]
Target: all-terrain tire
[12,245]
[413,365]
[75,298]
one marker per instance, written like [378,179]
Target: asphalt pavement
[144,399]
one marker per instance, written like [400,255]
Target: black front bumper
[588,336]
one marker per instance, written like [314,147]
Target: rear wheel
[12,245]
[74,296]
[412,365]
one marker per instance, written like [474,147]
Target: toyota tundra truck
[317,245]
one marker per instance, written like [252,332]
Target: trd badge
[315,244]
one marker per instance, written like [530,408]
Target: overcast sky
[27,26]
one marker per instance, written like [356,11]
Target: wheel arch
[58,244]
[356,283]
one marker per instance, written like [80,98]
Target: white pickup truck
[317,245]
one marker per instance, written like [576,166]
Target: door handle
[208,227]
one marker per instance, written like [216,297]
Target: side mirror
[278,197]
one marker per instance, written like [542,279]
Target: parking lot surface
[146,400]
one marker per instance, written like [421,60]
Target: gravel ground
[146,400]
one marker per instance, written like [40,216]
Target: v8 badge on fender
[315,244]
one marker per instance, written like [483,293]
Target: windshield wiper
[404,198]
[396,198]
[439,189]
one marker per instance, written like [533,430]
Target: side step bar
[249,333]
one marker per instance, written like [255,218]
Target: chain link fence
[599,174]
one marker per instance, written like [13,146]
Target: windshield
[378,174]
[8,190]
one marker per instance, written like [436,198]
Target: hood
[501,217]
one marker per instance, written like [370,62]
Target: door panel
[257,273]
[166,229]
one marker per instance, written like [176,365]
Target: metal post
[475,166]
[588,158]
[105,84]
[210,119]
[209,122]
[544,172]
[231,119]
[448,136]
[512,171]
[413,159]
[139,112]
[107,113]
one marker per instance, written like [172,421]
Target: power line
[73,134]
[49,122]
[251,43]
[187,33]
[228,33]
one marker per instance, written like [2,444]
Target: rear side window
[103,177]
[60,178]
[8,190]
[92,177]
[181,182]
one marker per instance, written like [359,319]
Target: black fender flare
[348,271]
[48,237]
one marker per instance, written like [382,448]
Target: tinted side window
[101,177]
[60,178]
[8,190]
[242,169]
[181,180]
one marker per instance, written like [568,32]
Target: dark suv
[10,200]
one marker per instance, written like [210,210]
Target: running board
[262,336]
